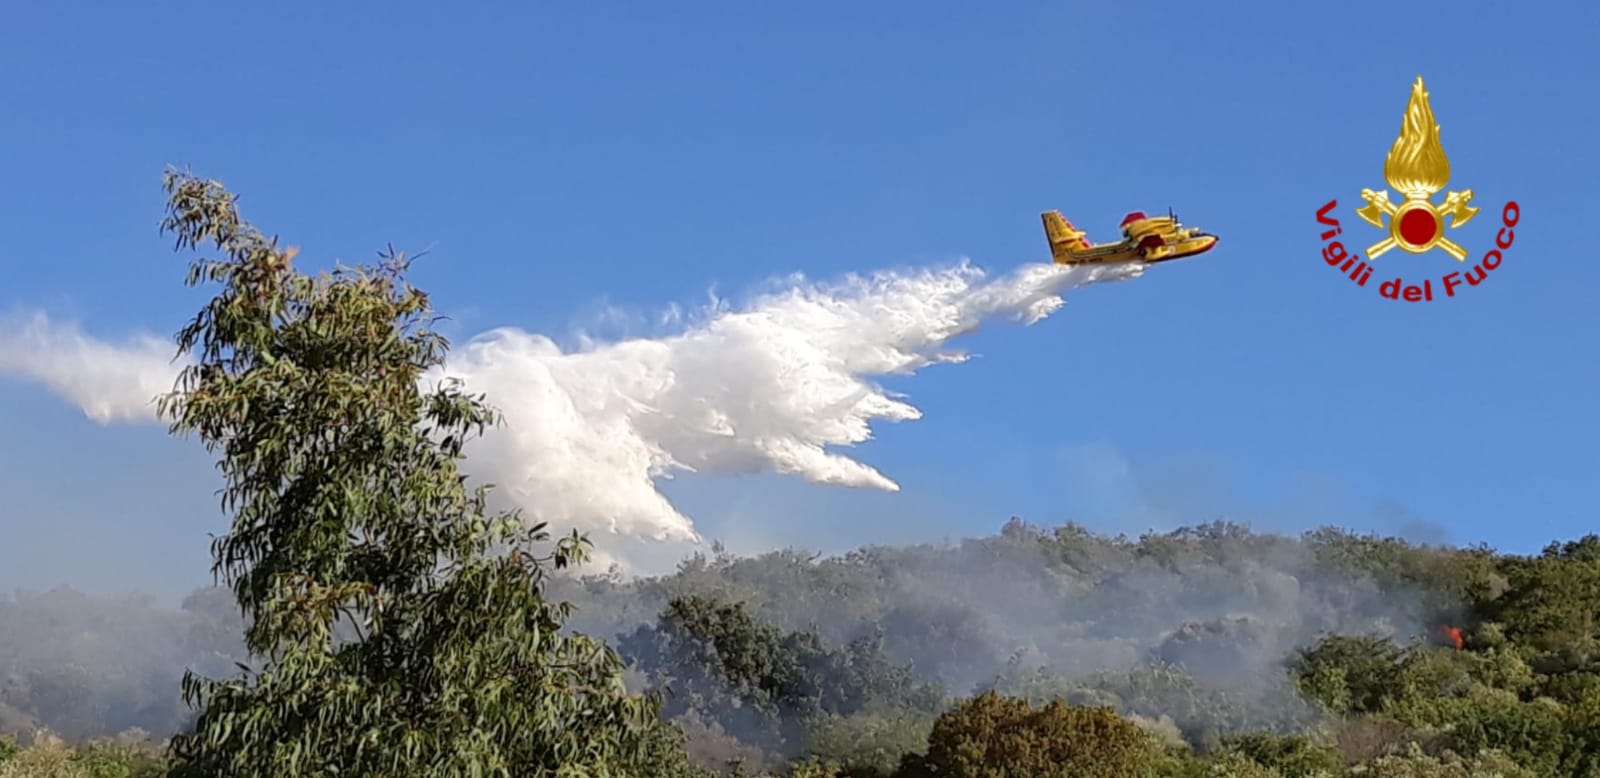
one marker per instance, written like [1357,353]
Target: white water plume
[769,385]
[109,382]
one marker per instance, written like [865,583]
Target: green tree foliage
[1416,764]
[349,509]
[790,656]
[1352,674]
[991,736]
[1291,756]
[53,758]
[868,744]
[774,689]
[1229,765]
[1551,606]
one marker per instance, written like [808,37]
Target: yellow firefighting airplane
[1144,239]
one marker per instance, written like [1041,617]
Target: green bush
[990,736]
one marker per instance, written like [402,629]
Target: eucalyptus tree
[399,625]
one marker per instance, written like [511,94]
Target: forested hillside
[1218,647]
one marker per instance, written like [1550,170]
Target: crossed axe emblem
[1455,206]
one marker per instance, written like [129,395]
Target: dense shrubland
[787,662]
[387,622]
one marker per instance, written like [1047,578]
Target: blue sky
[558,159]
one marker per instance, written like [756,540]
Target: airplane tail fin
[1063,236]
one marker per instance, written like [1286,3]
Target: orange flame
[1452,634]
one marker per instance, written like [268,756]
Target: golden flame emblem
[1417,168]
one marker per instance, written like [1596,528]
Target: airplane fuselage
[1103,254]
[1144,239]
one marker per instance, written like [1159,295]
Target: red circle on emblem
[1418,226]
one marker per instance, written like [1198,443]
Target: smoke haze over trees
[1208,636]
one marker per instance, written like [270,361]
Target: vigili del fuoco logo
[1417,169]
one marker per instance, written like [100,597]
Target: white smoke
[768,386]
